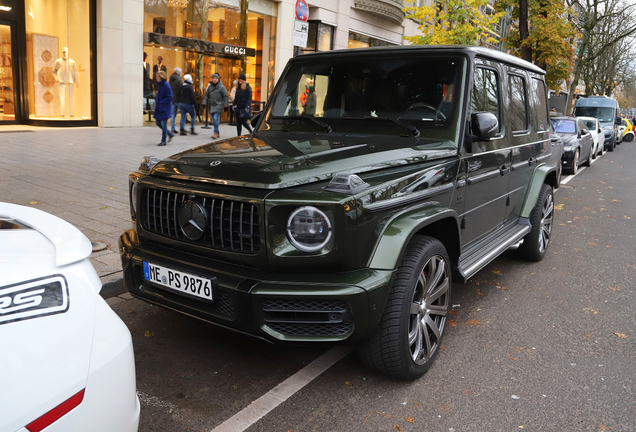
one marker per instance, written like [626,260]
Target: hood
[278,160]
[569,139]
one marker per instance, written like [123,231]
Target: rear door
[487,162]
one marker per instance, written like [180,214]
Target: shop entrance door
[8,97]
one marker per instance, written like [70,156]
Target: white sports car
[66,359]
[595,129]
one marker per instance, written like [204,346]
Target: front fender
[541,174]
[400,229]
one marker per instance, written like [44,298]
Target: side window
[518,103]
[485,93]
[542,109]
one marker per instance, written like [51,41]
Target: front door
[8,99]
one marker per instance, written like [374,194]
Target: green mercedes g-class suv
[373,179]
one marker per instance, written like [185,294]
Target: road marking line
[283,391]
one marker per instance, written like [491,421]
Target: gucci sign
[234,50]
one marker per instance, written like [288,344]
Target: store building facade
[92,62]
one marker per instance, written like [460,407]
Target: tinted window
[603,114]
[564,126]
[518,104]
[590,125]
[542,109]
[485,93]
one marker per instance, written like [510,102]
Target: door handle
[504,170]
[532,160]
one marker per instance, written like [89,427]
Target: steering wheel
[420,105]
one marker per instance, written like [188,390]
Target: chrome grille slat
[228,220]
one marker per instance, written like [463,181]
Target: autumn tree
[450,22]
[541,33]
[602,25]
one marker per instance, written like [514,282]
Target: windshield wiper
[320,123]
[414,131]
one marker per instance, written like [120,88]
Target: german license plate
[182,282]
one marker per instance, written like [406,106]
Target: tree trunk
[524,33]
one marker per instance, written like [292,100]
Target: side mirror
[584,131]
[578,134]
[600,130]
[618,120]
[484,125]
[255,119]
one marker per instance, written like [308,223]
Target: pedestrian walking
[231,100]
[216,99]
[187,104]
[242,104]
[175,84]
[163,105]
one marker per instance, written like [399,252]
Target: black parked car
[577,140]
[349,220]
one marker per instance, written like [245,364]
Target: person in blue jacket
[163,106]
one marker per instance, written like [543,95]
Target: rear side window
[485,93]
[518,103]
[542,109]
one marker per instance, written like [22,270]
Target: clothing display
[65,73]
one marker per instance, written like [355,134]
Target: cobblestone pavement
[81,176]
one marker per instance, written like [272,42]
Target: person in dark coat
[163,105]
[175,84]
[310,103]
[216,100]
[242,104]
[187,104]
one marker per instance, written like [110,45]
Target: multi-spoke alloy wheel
[536,242]
[547,214]
[428,310]
[406,341]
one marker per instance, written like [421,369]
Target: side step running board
[493,245]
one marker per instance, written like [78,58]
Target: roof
[469,50]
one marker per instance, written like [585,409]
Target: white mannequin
[65,72]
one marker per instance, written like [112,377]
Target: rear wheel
[611,148]
[408,338]
[536,242]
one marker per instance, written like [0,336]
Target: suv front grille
[308,317]
[230,225]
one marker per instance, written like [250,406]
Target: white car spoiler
[70,244]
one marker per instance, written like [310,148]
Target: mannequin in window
[147,82]
[65,72]
[156,68]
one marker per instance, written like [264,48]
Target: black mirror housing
[618,120]
[484,125]
[255,119]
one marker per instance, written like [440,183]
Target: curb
[112,285]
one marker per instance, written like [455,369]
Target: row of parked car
[595,128]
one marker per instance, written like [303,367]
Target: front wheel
[409,336]
[575,163]
[588,162]
[536,242]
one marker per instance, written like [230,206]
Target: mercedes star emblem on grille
[192,219]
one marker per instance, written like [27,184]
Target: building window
[357,40]
[195,34]
[59,59]
[319,38]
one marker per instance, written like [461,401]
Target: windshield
[564,126]
[392,95]
[604,114]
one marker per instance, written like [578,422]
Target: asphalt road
[546,346]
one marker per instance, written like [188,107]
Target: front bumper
[567,160]
[278,307]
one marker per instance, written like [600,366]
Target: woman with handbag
[242,104]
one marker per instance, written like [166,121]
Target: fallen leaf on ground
[453,312]
[511,357]
[111,188]
[33,202]
[397,428]
[103,207]
[409,419]
[558,207]
[626,217]
[473,323]
[620,335]
[617,201]
[452,323]
[148,333]
[592,244]
[496,272]
[614,289]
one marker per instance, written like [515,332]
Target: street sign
[302,10]
[301,31]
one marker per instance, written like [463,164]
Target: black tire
[536,242]
[407,340]
[593,153]
[611,148]
[575,163]
[628,138]
[588,162]
[559,173]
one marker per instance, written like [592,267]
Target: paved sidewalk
[81,176]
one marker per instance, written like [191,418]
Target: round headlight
[308,229]
[133,197]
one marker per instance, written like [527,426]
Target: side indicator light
[56,413]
